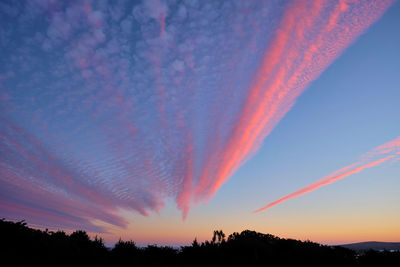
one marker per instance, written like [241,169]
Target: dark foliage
[24,246]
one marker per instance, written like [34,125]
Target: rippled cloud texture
[120,105]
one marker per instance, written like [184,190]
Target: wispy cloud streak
[381,154]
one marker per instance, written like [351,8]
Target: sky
[161,121]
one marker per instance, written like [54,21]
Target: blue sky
[161,121]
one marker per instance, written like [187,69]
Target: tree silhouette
[195,244]
[24,246]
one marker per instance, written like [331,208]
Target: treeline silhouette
[24,246]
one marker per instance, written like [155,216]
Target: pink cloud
[368,160]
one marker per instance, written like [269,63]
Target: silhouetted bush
[126,253]
[24,246]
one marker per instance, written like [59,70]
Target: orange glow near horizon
[168,231]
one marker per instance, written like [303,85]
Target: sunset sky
[161,121]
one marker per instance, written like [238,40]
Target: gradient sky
[161,121]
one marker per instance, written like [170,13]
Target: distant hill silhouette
[24,246]
[373,245]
